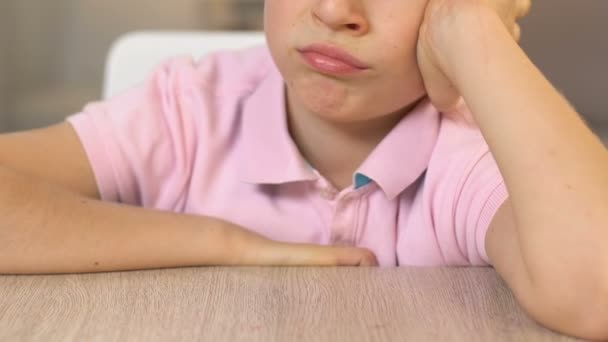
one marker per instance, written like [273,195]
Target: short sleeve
[476,202]
[140,144]
[469,189]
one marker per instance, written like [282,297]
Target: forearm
[46,229]
[555,169]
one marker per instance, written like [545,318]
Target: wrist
[244,247]
[216,242]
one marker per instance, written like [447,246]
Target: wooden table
[266,304]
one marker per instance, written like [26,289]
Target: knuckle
[524,8]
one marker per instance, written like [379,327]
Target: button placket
[328,193]
[342,223]
[326,189]
[347,216]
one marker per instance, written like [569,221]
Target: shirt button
[328,194]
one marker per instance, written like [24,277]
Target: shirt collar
[269,155]
[404,154]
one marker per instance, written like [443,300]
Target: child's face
[383,34]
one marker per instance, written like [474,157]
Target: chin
[326,98]
[329,108]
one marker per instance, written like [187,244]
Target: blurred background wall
[52,53]
[4,34]
[568,40]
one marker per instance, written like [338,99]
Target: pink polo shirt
[210,137]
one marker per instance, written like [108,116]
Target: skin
[548,240]
[352,115]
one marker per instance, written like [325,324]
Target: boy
[342,144]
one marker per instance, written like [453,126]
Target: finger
[352,256]
[369,260]
[517,32]
[315,255]
[523,9]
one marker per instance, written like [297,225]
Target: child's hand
[255,250]
[440,29]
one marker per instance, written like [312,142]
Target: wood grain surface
[266,304]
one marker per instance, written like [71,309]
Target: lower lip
[329,65]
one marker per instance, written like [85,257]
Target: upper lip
[335,53]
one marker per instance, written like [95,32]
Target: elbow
[594,312]
[581,312]
[593,323]
[597,318]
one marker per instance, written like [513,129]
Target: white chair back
[135,55]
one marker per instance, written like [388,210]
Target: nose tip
[342,15]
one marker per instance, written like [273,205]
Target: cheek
[397,29]
[272,17]
[397,51]
[280,16]
[398,42]
[400,82]
[402,79]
